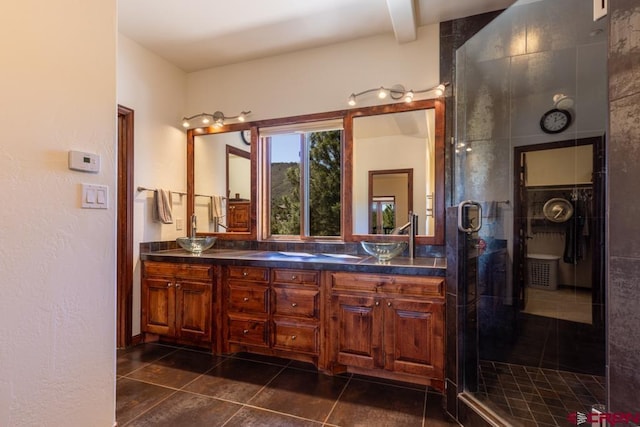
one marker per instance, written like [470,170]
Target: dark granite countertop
[303,260]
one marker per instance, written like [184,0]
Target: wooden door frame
[124,202]
[597,242]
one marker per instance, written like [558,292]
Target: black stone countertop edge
[306,261]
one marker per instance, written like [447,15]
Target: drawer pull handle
[294,277]
[293,337]
[294,304]
[245,274]
[245,299]
[245,331]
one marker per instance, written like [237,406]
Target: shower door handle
[470,228]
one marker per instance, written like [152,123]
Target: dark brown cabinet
[177,301]
[387,325]
[238,215]
[273,311]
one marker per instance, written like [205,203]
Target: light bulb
[241,117]
[408,97]
[352,99]
[382,93]
[185,123]
[439,90]
[468,149]
[205,120]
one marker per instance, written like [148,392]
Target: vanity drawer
[248,331]
[188,271]
[388,284]
[298,277]
[256,274]
[295,302]
[296,337]
[248,298]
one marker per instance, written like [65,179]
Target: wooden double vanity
[341,315]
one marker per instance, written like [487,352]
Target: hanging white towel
[489,209]
[215,208]
[162,206]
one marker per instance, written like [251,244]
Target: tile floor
[160,385]
[537,397]
[565,303]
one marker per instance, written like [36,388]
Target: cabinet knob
[294,304]
[245,299]
[246,331]
[294,277]
[388,304]
[245,274]
[377,303]
[178,285]
[293,337]
[169,284]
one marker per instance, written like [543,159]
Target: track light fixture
[216,119]
[397,92]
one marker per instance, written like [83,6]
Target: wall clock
[555,120]
[246,136]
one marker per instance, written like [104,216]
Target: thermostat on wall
[85,162]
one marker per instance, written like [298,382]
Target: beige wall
[155,90]
[316,80]
[57,311]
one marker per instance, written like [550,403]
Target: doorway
[124,231]
[559,230]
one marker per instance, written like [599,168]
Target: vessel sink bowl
[196,245]
[384,251]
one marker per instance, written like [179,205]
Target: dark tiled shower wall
[623,317]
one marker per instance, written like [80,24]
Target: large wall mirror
[397,166]
[220,183]
[381,143]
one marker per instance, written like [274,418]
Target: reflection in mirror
[395,141]
[238,189]
[222,173]
[390,199]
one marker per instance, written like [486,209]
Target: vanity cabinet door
[158,306]
[238,215]
[414,337]
[177,301]
[193,310]
[356,323]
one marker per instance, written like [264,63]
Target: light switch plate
[599,9]
[95,196]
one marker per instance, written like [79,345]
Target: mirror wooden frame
[438,200]
[409,188]
[236,127]
[347,167]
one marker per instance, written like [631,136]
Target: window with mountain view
[303,171]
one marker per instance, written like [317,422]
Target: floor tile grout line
[152,362]
[424,409]
[266,385]
[333,407]
[150,408]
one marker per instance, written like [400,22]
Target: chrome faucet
[194,225]
[410,228]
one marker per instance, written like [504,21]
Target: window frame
[264,148]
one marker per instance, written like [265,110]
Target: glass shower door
[528,368]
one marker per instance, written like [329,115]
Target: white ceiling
[200,34]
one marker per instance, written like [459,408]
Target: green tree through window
[322,187]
